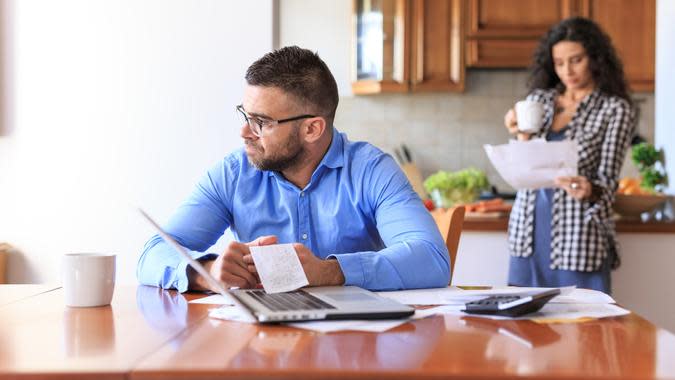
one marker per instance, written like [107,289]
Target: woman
[565,235]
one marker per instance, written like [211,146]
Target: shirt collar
[334,157]
[586,103]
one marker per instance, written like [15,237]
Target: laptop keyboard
[296,300]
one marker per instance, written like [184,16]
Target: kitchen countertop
[622,226]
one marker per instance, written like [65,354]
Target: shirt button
[304,236]
[302,193]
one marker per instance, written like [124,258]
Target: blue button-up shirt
[358,208]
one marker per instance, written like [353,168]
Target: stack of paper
[572,303]
[534,164]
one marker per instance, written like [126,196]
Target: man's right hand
[229,268]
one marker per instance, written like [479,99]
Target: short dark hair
[301,73]
[604,63]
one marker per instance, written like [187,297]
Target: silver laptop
[309,304]
[318,303]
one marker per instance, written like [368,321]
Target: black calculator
[511,305]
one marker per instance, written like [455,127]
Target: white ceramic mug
[530,115]
[88,279]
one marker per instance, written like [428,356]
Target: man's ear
[314,129]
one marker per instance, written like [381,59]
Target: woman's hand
[578,187]
[511,124]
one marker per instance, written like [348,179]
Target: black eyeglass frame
[267,122]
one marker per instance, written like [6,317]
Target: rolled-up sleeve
[620,128]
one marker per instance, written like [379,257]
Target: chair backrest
[449,222]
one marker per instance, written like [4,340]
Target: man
[347,207]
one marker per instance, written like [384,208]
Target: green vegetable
[449,188]
[651,178]
[644,155]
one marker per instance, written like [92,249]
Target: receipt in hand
[278,267]
[534,164]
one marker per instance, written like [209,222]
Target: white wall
[665,85]
[116,104]
[323,26]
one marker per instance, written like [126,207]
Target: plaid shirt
[582,232]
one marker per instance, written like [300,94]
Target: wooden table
[42,338]
[13,293]
[148,333]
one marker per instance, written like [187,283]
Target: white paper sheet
[215,299]
[455,296]
[562,311]
[232,313]
[238,314]
[359,325]
[583,296]
[534,164]
[279,268]
[434,296]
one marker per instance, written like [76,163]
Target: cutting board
[415,177]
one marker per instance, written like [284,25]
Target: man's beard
[293,153]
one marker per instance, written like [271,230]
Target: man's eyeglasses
[256,124]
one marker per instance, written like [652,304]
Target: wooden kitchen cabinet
[632,26]
[426,45]
[380,48]
[505,33]
[408,46]
[437,52]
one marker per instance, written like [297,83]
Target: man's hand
[319,272]
[230,268]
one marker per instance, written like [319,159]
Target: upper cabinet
[437,45]
[426,45]
[632,26]
[408,45]
[381,46]
[504,33]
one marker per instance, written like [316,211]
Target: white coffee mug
[530,115]
[88,279]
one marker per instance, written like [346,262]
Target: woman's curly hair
[605,65]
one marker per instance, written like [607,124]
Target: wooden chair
[449,222]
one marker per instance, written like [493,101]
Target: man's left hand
[319,272]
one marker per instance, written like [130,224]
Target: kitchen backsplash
[447,131]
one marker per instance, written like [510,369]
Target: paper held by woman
[533,164]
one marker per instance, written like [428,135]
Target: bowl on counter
[631,206]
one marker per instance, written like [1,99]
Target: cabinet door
[380,48]
[437,49]
[512,18]
[631,25]
[504,33]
